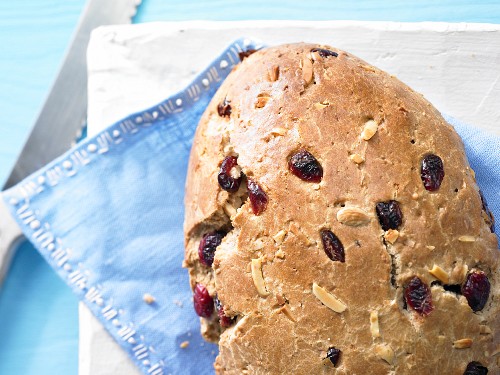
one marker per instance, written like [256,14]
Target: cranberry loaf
[333,225]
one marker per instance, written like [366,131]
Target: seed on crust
[440,274]
[258,278]
[328,299]
[353,216]
[462,343]
[369,130]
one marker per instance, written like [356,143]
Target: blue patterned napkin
[108,217]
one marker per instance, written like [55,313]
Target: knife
[63,113]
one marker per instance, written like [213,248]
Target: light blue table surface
[38,314]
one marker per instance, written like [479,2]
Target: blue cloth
[108,216]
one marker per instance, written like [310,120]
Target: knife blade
[63,113]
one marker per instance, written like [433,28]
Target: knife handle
[10,236]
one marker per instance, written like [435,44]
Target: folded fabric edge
[19,198]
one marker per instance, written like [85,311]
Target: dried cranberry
[305,166]
[389,215]
[226,177]
[245,54]
[477,290]
[432,172]
[489,214]
[203,303]
[325,52]
[258,198]
[224,108]
[208,245]
[475,368]
[333,354]
[332,246]
[225,321]
[418,296]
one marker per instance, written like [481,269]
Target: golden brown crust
[284,99]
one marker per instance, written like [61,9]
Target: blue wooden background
[38,314]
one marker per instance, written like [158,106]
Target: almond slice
[467,239]
[374,326]
[369,130]
[356,158]
[279,237]
[353,216]
[258,278]
[485,330]
[391,236]
[440,274]
[462,344]
[329,300]
[307,70]
[278,131]
[385,352]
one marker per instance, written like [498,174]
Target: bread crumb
[430,247]
[184,344]
[148,298]
[414,196]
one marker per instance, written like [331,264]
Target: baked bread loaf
[333,225]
